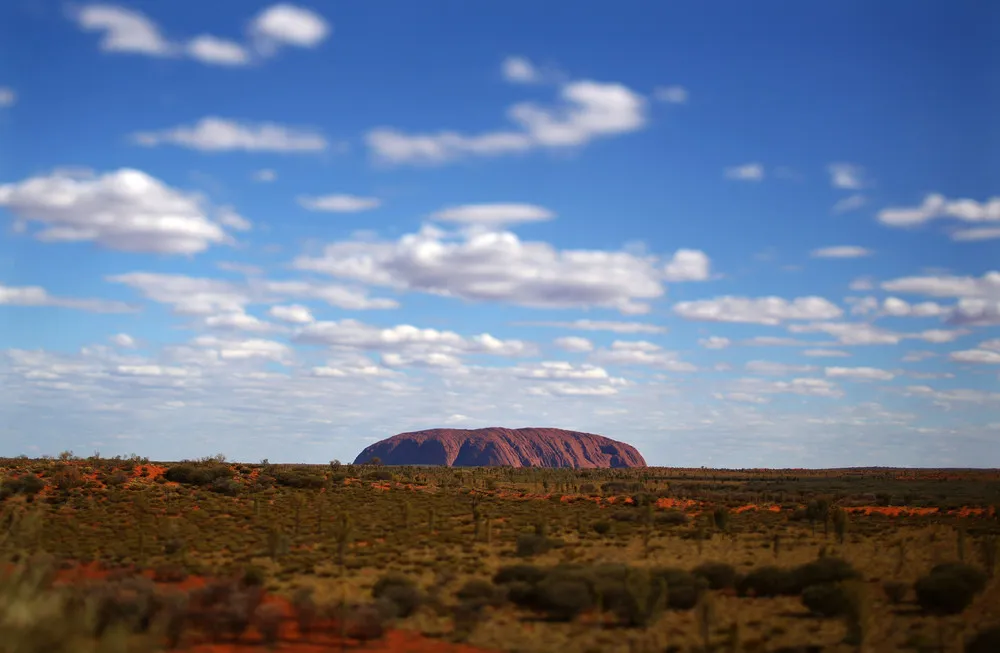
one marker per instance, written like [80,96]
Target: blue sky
[731,234]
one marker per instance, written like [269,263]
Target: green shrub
[986,641]
[949,588]
[768,581]
[827,600]
[821,571]
[399,590]
[602,527]
[531,544]
[528,574]
[719,575]
[895,591]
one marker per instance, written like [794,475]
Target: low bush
[399,590]
[719,575]
[949,588]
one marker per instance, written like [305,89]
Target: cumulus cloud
[407,345]
[849,203]
[841,251]
[495,266]
[825,353]
[714,342]
[339,203]
[574,344]
[587,110]
[745,172]
[846,175]
[860,373]
[985,287]
[979,355]
[493,215]
[294,313]
[671,94]
[520,70]
[936,206]
[284,25]
[203,297]
[265,175]
[212,50]
[123,340]
[895,307]
[641,352]
[8,97]
[975,234]
[600,325]
[215,134]
[805,386]
[761,310]
[38,296]
[128,31]
[777,369]
[687,265]
[125,210]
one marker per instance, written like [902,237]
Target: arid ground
[126,555]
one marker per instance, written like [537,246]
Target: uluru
[502,447]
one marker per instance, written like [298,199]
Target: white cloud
[355,299]
[976,356]
[493,215]
[294,313]
[151,370]
[228,217]
[8,97]
[761,310]
[600,325]
[849,203]
[406,345]
[846,175]
[746,172]
[641,352]
[687,265]
[777,369]
[238,321]
[265,175]
[243,349]
[561,371]
[339,203]
[992,345]
[123,340]
[860,373]
[38,296]
[895,307]
[810,387]
[671,94]
[574,344]
[862,284]
[825,353]
[215,134]
[187,295]
[976,312]
[212,50]
[125,210]
[975,234]
[495,266]
[128,31]
[776,341]
[917,356]
[714,342]
[520,70]
[850,333]
[841,251]
[588,110]
[937,206]
[287,25]
[985,287]
[123,30]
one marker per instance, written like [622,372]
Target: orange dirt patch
[325,638]
[754,508]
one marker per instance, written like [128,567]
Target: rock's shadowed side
[493,447]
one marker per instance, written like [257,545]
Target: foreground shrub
[531,544]
[400,591]
[719,575]
[768,581]
[986,641]
[949,588]
[827,600]
[822,571]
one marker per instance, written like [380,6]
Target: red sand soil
[325,638]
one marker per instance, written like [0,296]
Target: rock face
[492,447]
